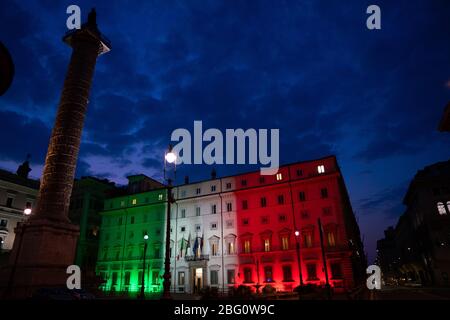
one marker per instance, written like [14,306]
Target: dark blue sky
[310,68]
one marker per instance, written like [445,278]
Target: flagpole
[324,259]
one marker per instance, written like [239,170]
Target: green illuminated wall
[125,220]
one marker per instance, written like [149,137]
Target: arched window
[441,208]
[448,206]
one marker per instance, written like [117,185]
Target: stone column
[45,245]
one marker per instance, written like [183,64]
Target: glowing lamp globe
[27,211]
[171,157]
[297,233]
[146,237]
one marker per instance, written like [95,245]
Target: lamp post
[142,295]
[297,247]
[170,159]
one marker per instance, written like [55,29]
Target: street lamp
[27,211]
[170,159]
[142,295]
[297,247]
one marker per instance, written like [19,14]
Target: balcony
[197,258]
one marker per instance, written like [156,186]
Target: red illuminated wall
[283,213]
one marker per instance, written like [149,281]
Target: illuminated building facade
[240,230]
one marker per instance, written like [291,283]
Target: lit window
[441,208]
[279,176]
[268,274]
[307,239]
[321,169]
[134,201]
[231,248]
[266,245]
[214,250]
[160,196]
[285,243]
[331,240]
[247,246]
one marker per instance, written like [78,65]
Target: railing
[197,258]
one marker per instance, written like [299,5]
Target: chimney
[186,179]
[213,174]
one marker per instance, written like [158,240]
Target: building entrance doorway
[198,279]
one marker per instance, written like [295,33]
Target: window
[3,223]
[197,211]
[247,246]
[213,209]
[336,270]
[198,227]
[299,172]
[266,245]
[307,239]
[28,205]
[198,191]
[213,188]
[132,219]
[9,202]
[302,196]
[247,275]
[268,276]
[304,214]
[157,253]
[122,203]
[265,220]
[324,193]
[244,205]
[131,235]
[321,169]
[214,275]
[245,221]
[243,183]
[229,224]
[282,218]
[263,202]
[262,180]
[183,213]
[214,251]
[330,239]
[230,248]
[230,276]
[181,278]
[228,185]
[311,271]
[279,176]
[229,206]
[441,208]
[160,196]
[448,206]
[120,221]
[326,211]
[183,229]
[214,226]
[134,201]
[285,242]
[280,199]
[287,273]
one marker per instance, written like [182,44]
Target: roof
[14,178]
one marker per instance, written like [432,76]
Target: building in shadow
[419,250]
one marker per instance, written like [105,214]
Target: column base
[42,251]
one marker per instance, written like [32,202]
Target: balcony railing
[197,258]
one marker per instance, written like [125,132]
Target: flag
[201,244]
[194,249]
[181,247]
[188,245]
